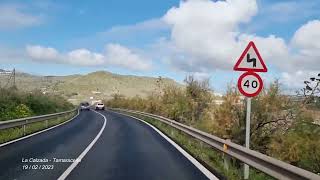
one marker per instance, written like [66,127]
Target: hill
[97,85]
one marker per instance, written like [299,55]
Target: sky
[169,38]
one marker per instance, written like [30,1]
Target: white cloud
[306,41]
[42,53]
[84,57]
[121,56]
[206,31]
[307,38]
[13,16]
[115,55]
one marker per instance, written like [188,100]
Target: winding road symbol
[254,60]
[250,60]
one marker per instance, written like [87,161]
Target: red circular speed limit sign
[250,84]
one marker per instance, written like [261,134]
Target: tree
[175,104]
[199,96]
[271,112]
[229,117]
[311,91]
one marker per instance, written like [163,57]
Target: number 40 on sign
[250,84]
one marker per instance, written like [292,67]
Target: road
[117,147]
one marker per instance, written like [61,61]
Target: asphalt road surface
[125,149]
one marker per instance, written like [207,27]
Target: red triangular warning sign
[250,60]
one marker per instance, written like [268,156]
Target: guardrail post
[171,132]
[226,161]
[24,128]
[226,158]
[46,123]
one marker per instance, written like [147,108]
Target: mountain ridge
[91,86]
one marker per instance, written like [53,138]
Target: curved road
[126,149]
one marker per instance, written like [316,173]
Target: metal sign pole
[249,84]
[246,167]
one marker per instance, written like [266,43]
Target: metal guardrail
[264,163]
[22,122]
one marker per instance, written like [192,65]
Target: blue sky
[160,38]
[66,21]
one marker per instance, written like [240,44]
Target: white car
[100,106]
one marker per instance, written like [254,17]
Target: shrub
[300,145]
[17,104]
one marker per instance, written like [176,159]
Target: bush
[181,104]
[300,145]
[16,104]
[14,112]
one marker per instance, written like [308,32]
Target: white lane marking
[81,156]
[196,163]
[33,134]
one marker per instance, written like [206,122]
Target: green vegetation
[299,145]
[17,104]
[14,133]
[280,127]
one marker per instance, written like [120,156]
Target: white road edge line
[81,156]
[196,163]
[33,134]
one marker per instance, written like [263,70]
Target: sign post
[246,167]
[250,84]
